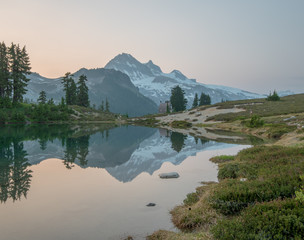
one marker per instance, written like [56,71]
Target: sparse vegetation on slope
[255,199]
[261,107]
[44,113]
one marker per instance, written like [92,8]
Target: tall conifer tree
[195,101]
[42,97]
[204,99]
[5,84]
[177,99]
[107,106]
[69,87]
[82,92]
[19,68]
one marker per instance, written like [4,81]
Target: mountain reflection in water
[125,151]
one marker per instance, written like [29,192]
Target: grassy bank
[254,199]
[287,105]
[51,113]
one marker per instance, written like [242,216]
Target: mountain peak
[127,64]
[124,57]
[178,74]
[154,68]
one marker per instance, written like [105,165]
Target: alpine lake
[75,182]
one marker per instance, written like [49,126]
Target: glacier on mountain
[157,85]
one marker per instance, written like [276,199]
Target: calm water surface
[93,182]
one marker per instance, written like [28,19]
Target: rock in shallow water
[151,205]
[169,175]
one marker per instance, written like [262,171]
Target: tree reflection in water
[76,148]
[178,141]
[15,178]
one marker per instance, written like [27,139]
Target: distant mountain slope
[116,86]
[155,84]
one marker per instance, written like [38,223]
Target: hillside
[259,193]
[123,96]
[283,121]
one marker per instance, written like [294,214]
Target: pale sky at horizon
[256,45]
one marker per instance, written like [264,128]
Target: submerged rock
[169,175]
[151,205]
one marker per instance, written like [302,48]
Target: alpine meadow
[157,120]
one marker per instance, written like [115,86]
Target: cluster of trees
[273,97]
[76,94]
[203,100]
[179,102]
[14,68]
[105,106]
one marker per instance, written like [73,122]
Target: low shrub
[3,117]
[238,170]
[280,219]
[147,121]
[271,173]
[18,116]
[191,198]
[276,131]
[256,122]
[228,171]
[233,196]
[181,124]
[196,213]
[222,158]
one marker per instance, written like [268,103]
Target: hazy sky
[255,45]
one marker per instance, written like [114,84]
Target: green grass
[49,113]
[150,122]
[276,131]
[271,173]
[222,158]
[181,124]
[255,199]
[278,219]
[89,114]
[261,107]
[191,198]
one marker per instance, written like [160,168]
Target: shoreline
[201,219]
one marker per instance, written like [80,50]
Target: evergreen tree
[273,97]
[177,99]
[204,99]
[62,103]
[42,97]
[19,68]
[102,108]
[107,106]
[168,108]
[51,102]
[70,88]
[73,93]
[195,101]
[5,84]
[82,92]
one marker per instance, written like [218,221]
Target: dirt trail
[197,115]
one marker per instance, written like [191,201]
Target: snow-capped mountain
[157,85]
[285,93]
